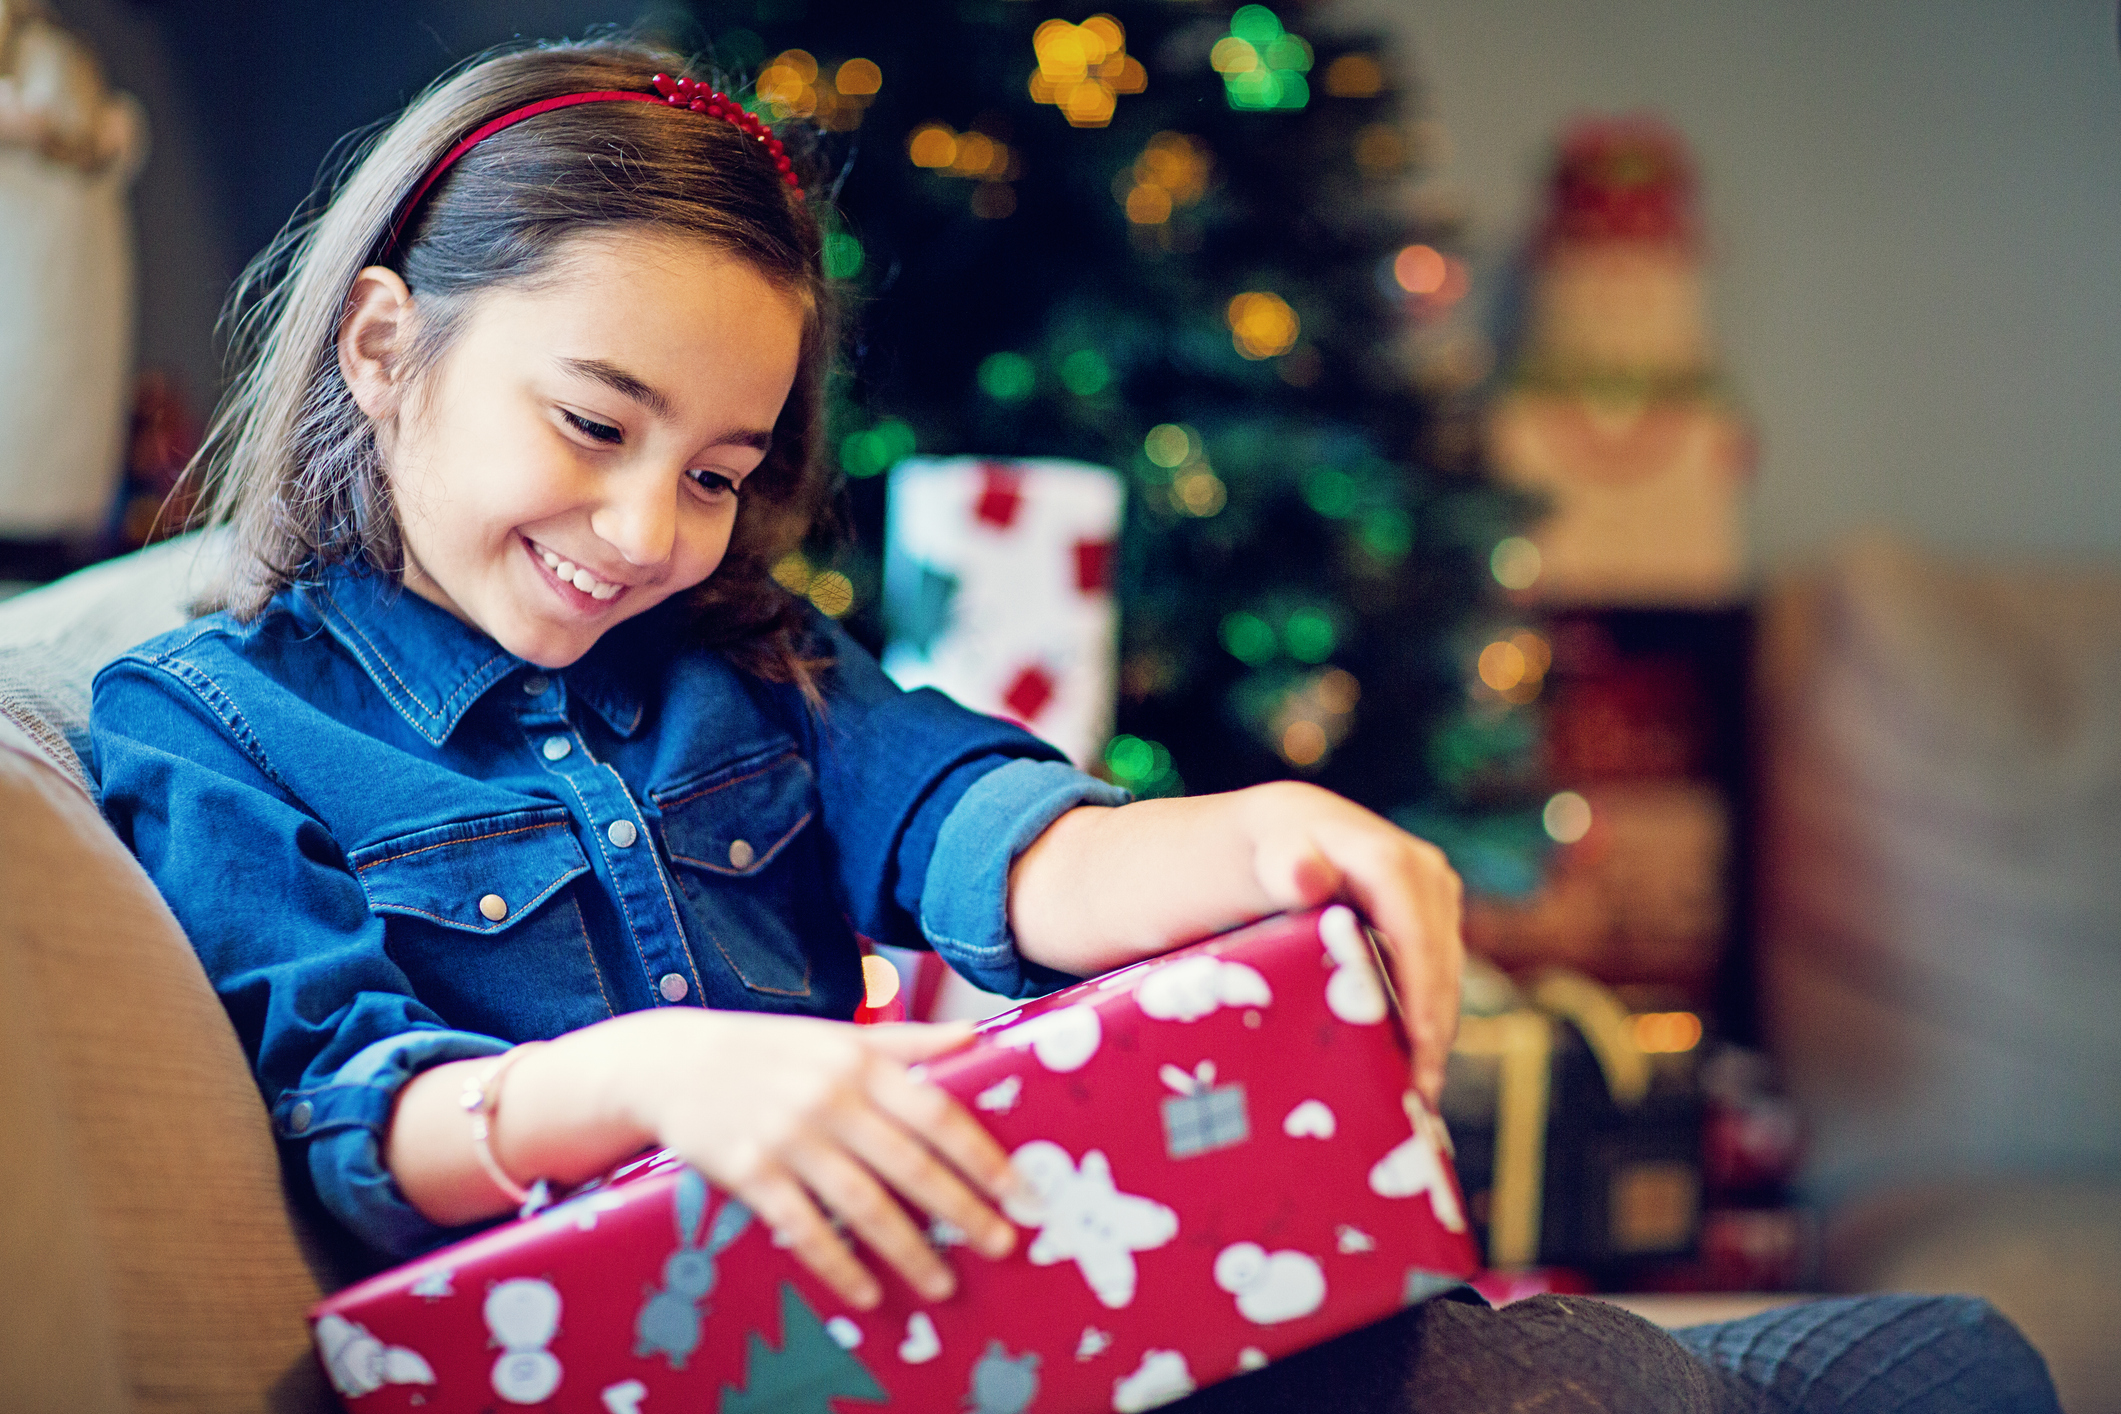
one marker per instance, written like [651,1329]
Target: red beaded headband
[677,93]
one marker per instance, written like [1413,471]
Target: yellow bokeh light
[1338,691]
[1169,444]
[1199,492]
[1379,148]
[792,572]
[1538,656]
[880,981]
[932,145]
[1420,270]
[1262,325]
[975,152]
[1082,68]
[1303,741]
[1354,76]
[801,61]
[833,593]
[858,78]
[1177,163]
[1148,205]
[1502,666]
[780,84]
[1232,55]
[1664,1032]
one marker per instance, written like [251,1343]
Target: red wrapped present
[1222,1165]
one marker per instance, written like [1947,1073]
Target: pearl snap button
[494,907]
[741,854]
[672,987]
[535,686]
[299,1117]
[622,833]
[557,747]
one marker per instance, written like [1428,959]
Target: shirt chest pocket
[480,917]
[745,853]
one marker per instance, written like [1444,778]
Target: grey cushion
[52,641]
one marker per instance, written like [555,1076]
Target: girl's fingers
[910,1041]
[1411,895]
[905,1163]
[779,1201]
[947,1127]
[853,1193]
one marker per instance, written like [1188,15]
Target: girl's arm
[1105,887]
[774,1109]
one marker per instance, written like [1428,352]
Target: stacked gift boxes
[1221,1162]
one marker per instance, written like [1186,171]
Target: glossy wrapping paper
[1222,1165]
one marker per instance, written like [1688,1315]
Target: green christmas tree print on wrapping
[1201,255]
[805,1375]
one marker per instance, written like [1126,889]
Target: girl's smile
[578,454]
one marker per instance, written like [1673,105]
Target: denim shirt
[394,844]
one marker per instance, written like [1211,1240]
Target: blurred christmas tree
[1188,242]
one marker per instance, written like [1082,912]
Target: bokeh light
[1262,64]
[1664,1032]
[1082,69]
[1247,638]
[1262,325]
[880,981]
[1303,742]
[1007,377]
[1387,534]
[832,592]
[1170,444]
[1330,492]
[1515,563]
[877,449]
[1142,766]
[1310,636]
[1567,817]
[1198,491]
[1354,76]
[1420,270]
[1085,373]
[842,256]
[1380,149]
[1502,666]
[1170,174]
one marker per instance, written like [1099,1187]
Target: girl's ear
[373,335]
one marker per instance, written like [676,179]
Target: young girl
[520,819]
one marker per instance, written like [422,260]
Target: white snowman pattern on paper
[1354,992]
[1195,987]
[359,1364]
[1062,1040]
[1415,1165]
[1270,1287]
[524,1315]
[1082,1217]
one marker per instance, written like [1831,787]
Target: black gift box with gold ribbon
[1575,1145]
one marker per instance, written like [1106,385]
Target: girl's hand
[794,1114]
[1105,887]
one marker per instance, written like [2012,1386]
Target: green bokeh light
[842,256]
[876,450]
[1256,25]
[1085,373]
[1247,637]
[1310,636]
[1387,534]
[1169,444]
[1330,492]
[1007,377]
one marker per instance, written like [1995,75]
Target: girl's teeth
[552,561]
[604,591]
[564,569]
[584,581]
[578,577]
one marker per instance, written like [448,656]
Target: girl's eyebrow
[627,386]
[620,382]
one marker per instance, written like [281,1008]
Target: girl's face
[578,454]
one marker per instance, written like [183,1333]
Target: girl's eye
[712,482]
[595,431]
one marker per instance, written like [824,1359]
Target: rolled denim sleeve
[344,1120]
[964,910]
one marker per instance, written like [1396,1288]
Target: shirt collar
[432,666]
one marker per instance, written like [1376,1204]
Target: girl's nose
[638,518]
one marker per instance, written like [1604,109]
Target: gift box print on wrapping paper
[1221,1166]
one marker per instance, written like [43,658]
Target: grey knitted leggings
[1571,1355]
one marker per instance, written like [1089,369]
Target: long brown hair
[290,463]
